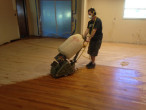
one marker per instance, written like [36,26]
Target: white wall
[32,17]
[84,16]
[8,21]
[115,28]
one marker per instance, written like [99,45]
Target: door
[55,18]
[22,18]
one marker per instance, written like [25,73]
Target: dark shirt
[98,26]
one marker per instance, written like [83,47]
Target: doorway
[22,18]
[55,18]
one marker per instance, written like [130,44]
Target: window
[135,9]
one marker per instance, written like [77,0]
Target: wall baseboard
[14,40]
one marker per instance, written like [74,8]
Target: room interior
[31,32]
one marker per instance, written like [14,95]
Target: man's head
[91,13]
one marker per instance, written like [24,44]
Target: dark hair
[92,10]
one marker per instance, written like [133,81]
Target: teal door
[55,17]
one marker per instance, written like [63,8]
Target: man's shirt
[98,26]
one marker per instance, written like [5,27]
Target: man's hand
[85,34]
[88,39]
[85,44]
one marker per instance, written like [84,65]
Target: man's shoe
[91,66]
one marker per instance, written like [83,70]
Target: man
[95,39]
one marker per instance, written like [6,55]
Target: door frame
[25,17]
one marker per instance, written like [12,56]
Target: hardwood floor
[102,88]
[117,83]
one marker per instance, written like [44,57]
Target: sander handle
[75,58]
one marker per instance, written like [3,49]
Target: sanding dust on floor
[27,59]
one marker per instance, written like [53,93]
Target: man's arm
[92,33]
[86,32]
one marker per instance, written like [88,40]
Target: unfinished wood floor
[27,59]
[117,82]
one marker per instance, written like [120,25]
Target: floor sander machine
[70,49]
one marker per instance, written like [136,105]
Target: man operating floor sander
[72,46]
